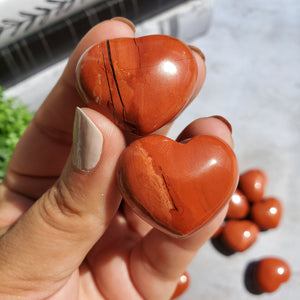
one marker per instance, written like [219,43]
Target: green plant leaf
[14,119]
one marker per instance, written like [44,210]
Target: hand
[64,233]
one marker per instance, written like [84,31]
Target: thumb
[53,237]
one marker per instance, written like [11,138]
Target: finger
[11,207]
[200,59]
[216,125]
[160,258]
[53,237]
[136,223]
[44,148]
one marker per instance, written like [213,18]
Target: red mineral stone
[271,272]
[176,187]
[139,83]
[239,235]
[182,285]
[238,206]
[252,183]
[266,213]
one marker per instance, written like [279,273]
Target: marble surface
[253,79]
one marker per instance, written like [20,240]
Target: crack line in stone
[169,192]
[115,78]
[109,88]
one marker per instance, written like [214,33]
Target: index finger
[44,148]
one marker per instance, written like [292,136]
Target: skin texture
[64,233]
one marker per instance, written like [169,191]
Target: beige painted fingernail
[126,21]
[87,142]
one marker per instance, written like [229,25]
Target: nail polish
[225,121]
[87,142]
[197,50]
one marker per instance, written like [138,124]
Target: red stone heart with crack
[176,187]
[139,83]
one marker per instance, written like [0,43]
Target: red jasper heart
[139,83]
[239,235]
[252,183]
[238,206]
[177,188]
[271,272]
[182,286]
[267,213]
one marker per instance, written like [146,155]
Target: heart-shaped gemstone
[271,272]
[267,213]
[252,183]
[177,188]
[238,206]
[239,235]
[182,285]
[139,83]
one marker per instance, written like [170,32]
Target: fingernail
[126,21]
[197,50]
[225,121]
[87,142]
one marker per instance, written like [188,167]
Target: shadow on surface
[249,279]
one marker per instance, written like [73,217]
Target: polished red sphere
[252,184]
[176,187]
[239,235]
[182,285]
[267,213]
[271,273]
[139,83]
[238,206]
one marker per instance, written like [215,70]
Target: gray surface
[253,79]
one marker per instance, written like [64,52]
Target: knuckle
[58,209]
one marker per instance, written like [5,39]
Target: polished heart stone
[139,83]
[271,272]
[182,285]
[177,188]
[253,183]
[267,213]
[239,235]
[238,206]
